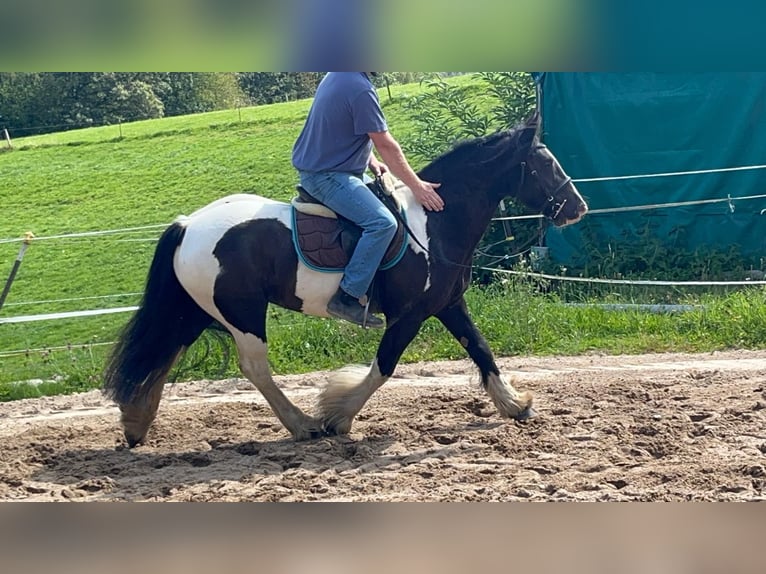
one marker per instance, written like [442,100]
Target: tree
[46,102]
[448,113]
[18,92]
[272,87]
[195,92]
[130,101]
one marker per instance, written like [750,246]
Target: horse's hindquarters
[238,256]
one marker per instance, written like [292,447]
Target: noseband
[552,208]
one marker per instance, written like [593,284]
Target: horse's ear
[534,124]
[534,120]
[529,134]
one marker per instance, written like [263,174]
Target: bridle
[552,208]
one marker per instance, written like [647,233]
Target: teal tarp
[603,125]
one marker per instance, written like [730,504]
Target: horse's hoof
[337,429]
[527,414]
[133,440]
[137,417]
[311,433]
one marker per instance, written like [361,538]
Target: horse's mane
[477,151]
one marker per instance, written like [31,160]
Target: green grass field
[144,174]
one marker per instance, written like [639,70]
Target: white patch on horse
[195,265]
[416,220]
[315,288]
[235,198]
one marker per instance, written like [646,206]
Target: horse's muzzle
[565,206]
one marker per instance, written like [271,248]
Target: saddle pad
[326,244]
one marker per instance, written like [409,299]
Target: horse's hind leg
[346,393]
[348,390]
[510,403]
[255,365]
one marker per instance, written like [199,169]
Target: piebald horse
[229,260]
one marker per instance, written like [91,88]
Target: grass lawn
[143,174]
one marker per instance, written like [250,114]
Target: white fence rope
[96,312]
[64,315]
[75,314]
[138,240]
[730,200]
[642,282]
[70,299]
[669,174]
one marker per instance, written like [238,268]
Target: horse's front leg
[509,402]
[349,389]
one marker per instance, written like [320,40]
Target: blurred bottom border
[294,538]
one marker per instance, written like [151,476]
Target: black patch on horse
[252,276]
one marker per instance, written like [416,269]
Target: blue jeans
[347,195]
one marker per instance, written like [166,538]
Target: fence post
[28,237]
[7,137]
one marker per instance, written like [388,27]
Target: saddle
[325,241]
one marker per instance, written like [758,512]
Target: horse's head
[544,186]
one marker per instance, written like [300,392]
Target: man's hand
[377,168]
[390,150]
[425,193]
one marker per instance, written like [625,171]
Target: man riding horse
[331,155]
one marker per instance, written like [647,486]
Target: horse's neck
[493,178]
[471,200]
[462,224]
[474,212]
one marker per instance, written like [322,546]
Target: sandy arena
[611,428]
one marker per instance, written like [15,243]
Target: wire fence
[644,207]
[89,234]
[72,299]
[40,350]
[632,282]
[110,233]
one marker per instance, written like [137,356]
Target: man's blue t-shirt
[345,109]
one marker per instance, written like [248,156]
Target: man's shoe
[344,306]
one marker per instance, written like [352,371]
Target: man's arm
[391,153]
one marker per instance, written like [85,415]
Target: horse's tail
[166,322]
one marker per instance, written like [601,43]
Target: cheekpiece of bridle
[552,208]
